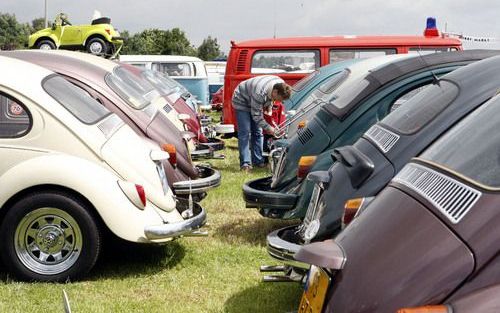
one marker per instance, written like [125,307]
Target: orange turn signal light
[172,152]
[305,164]
[427,309]
[351,207]
[302,124]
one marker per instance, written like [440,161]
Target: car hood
[130,157]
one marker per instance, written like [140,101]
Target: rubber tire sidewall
[47,41]
[91,236]
[101,41]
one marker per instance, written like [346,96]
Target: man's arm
[256,110]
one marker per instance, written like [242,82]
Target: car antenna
[435,79]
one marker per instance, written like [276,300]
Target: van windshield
[137,92]
[471,148]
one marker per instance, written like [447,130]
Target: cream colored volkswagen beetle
[69,169]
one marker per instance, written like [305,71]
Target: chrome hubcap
[96,48]
[45,46]
[48,241]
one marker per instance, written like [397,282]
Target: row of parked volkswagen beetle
[393,166]
[89,145]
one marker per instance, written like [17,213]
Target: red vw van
[294,58]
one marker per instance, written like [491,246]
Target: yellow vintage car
[99,38]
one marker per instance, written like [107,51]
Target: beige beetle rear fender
[95,183]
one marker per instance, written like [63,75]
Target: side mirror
[183,117]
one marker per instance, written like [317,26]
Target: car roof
[399,68]
[24,77]
[87,57]
[348,41]
[160,58]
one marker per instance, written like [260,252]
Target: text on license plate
[315,290]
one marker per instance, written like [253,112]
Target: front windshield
[472,147]
[76,100]
[421,108]
[137,92]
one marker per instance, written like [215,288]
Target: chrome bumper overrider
[186,227]
[209,179]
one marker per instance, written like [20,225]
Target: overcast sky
[239,20]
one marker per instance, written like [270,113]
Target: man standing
[250,98]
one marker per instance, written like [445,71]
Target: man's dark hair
[283,90]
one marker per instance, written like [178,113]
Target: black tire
[96,46]
[49,236]
[46,44]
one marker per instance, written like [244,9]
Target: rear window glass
[163,83]
[334,81]
[137,92]
[173,68]
[298,86]
[14,119]
[76,100]
[471,148]
[421,108]
[292,61]
[337,55]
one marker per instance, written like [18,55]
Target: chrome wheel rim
[45,46]
[96,48]
[48,241]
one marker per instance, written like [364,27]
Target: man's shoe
[246,168]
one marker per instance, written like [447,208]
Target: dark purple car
[430,237]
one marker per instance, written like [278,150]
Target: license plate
[315,290]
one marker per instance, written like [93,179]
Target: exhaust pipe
[273,268]
[279,279]
[197,233]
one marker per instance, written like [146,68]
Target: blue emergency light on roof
[431,23]
[431,29]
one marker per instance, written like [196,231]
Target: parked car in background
[366,167]
[353,109]
[294,58]
[429,237]
[188,71]
[217,98]
[70,170]
[134,101]
[215,72]
[99,38]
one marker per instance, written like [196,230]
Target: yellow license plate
[315,290]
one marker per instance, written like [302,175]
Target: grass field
[218,273]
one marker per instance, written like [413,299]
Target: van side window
[337,55]
[423,51]
[282,61]
[173,69]
[14,119]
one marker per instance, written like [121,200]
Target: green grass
[218,273]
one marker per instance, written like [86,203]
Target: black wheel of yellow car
[46,44]
[49,236]
[96,46]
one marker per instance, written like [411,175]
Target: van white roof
[158,58]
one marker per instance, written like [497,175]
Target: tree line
[14,35]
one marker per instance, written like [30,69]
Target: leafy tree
[157,41]
[38,24]
[209,49]
[13,35]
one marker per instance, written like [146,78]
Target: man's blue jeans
[250,139]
